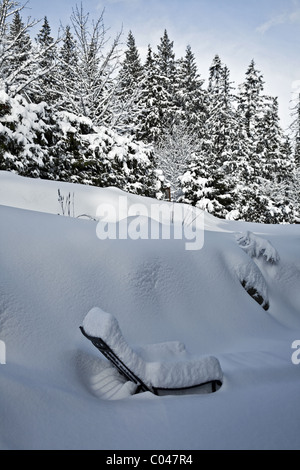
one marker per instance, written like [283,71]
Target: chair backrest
[103,330]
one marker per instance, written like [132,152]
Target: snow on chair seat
[103,330]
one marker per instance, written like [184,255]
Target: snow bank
[54,387]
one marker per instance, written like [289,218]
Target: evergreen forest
[85,108]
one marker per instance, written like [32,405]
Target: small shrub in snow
[256,246]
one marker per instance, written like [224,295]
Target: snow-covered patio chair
[175,373]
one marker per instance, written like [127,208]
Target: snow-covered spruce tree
[250,99]
[251,107]
[131,71]
[265,196]
[196,183]
[153,102]
[46,46]
[166,74]
[66,71]
[158,90]
[189,94]
[180,140]
[295,130]
[275,162]
[18,60]
[126,105]
[165,58]
[19,66]
[221,133]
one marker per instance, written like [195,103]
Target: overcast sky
[267,31]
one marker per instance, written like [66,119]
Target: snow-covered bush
[256,246]
[98,156]
[37,142]
[25,136]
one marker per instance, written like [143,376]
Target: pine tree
[196,183]
[295,131]
[165,66]
[65,77]
[128,94]
[45,91]
[221,131]
[189,95]
[250,98]
[131,71]
[20,50]
[18,62]
[273,164]
[165,58]
[154,103]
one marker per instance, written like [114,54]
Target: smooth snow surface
[58,392]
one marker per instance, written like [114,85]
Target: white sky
[238,30]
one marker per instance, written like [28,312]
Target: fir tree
[20,42]
[154,103]
[295,131]
[47,47]
[273,164]
[66,71]
[165,58]
[131,71]
[128,95]
[221,130]
[250,98]
[165,67]
[18,62]
[189,95]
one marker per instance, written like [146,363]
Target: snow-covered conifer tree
[221,132]
[66,72]
[127,106]
[20,50]
[131,71]
[19,62]
[45,89]
[295,130]
[189,94]
[250,98]
[153,102]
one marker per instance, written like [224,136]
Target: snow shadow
[101,379]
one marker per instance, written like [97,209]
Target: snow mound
[170,374]
[256,246]
[54,386]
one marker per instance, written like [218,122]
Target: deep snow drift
[55,269]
